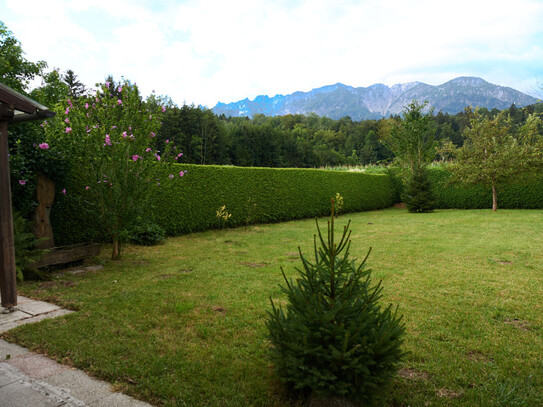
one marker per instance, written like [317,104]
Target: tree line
[307,140]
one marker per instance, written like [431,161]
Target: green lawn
[182,324]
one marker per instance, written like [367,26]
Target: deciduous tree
[492,155]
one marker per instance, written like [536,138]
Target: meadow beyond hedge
[527,193]
[279,194]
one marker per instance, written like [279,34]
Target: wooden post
[8,278]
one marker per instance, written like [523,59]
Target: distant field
[182,324]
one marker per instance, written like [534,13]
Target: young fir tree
[333,340]
[418,193]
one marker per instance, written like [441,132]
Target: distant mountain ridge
[378,100]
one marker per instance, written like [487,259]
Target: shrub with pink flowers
[110,139]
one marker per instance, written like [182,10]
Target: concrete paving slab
[10,350]
[12,316]
[118,400]
[36,366]
[21,299]
[37,307]
[26,392]
[80,386]
[18,395]
[6,378]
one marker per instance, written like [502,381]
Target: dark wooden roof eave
[11,101]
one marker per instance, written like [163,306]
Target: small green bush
[25,247]
[334,340]
[147,234]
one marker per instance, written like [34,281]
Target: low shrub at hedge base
[279,194]
[526,193]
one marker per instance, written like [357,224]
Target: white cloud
[206,51]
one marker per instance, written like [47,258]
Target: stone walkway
[28,379]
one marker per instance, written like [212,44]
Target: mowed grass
[182,324]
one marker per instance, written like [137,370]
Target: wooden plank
[16,102]
[8,278]
[68,254]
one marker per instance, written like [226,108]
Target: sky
[203,52]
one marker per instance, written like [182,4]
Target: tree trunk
[494,198]
[45,194]
[116,251]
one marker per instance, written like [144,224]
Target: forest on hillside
[304,141]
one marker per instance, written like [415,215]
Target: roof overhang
[16,107]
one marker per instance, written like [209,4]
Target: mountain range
[378,101]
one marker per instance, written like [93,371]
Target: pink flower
[163,109]
[148,149]
[64,191]
[181,173]
[43,146]
[180,154]
[107,84]
[67,110]
[150,117]
[171,176]
[67,120]
[119,89]
[86,105]
[87,187]
[124,135]
[68,129]
[153,134]
[22,181]
[158,157]
[108,140]
[167,141]
[135,157]
[119,102]
[70,103]
[113,127]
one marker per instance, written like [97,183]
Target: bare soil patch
[412,374]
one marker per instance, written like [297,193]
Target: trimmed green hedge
[279,193]
[190,204]
[525,194]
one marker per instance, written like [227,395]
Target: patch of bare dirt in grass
[400,205]
[477,356]
[517,323]
[253,265]
[412,374]
[220,310]
[449,394]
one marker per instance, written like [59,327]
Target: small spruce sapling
[333,340]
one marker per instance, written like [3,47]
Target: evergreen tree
[76,89]
[334,340]
[418,193]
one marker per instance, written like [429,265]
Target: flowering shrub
[30,156]
[110,139]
